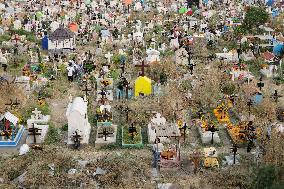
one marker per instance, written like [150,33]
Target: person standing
[70,72]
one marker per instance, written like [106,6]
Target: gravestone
[77,116]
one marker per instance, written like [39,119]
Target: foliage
[228,88]
[240,30]
[268,177]
[52,135]
[65,127]
[127,138]
[114,73]
[255,17]
[4,37]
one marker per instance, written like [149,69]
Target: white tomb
[38,118]
[78,120]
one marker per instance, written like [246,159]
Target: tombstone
[181,57]
[78,120]
[156,121]
[206,135]
[106,135]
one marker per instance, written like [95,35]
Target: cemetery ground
[125,168]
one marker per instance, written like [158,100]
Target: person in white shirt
[70,72]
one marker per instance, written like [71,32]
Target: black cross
[76,138]
[86,89]
[276,96]
[142,66]
[234,150]
[125,84]
[105,133]
[13,104]
[184,127]
[34,131]
[213,130]
[249,104]
[191,67]
[132,130]
[127,110]
[260,84]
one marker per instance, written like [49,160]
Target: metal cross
[260,84]
[234,150]
[213,130]
[76,138]
[34,131]
[105,133]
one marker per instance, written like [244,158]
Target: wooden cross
[260,84]
[105,133]
[34,131]
[142,66]
[86,90]
[276,96]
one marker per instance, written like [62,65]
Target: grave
[132,136]
[38,118]
[11,131]
[105,135]
[77,117]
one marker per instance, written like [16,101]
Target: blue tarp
[278,49]
[270,3]
[44,43]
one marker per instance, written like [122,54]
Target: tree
[255,17]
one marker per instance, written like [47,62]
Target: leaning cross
[108,56]
[142,66]
[276,96]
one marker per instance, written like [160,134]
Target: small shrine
[143,86]
[61,38]
[11,131]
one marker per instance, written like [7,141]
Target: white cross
[37,114]
[108,56]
